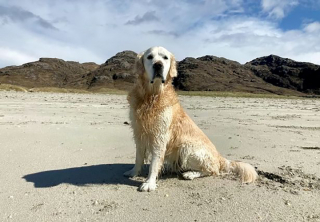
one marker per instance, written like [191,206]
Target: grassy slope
[8,87]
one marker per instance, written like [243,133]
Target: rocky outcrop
[48,72]
[211,73]
[287,73]
[271,74]
[116,72]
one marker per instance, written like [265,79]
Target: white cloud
[147,17]
[9,56]
[278,9]
[244,39]
[96,30]
[312,27]
[313,57]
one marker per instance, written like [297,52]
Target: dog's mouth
[157,76]
[157,72]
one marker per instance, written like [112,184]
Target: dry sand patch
[63,155]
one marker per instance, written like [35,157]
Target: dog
[164,133]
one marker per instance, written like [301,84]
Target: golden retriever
[163,131]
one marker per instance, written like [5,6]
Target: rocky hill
[116,72]
[287,73]
[210,73]
[269,74]
[48,72]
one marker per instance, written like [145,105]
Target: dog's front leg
[136,170]
[155,167]
[158,141]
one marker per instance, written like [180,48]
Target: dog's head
[157,64]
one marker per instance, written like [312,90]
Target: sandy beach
[62,157]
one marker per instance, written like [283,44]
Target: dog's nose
[157,65]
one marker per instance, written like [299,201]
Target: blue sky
[95,30]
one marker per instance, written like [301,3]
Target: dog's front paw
[131,173]
[148,186]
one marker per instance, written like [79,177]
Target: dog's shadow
[85,175]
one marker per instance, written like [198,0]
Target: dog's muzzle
[157,71]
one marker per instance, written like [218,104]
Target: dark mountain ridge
[287,73]
[269,74]
[47,72]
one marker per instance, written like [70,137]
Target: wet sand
[62,157]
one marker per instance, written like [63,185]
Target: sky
[95,30]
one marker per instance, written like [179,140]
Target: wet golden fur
[165,132]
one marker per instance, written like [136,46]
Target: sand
[62,157]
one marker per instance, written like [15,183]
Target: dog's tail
[245,171]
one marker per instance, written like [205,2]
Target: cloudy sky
[95,30]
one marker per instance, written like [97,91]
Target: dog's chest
[151,119]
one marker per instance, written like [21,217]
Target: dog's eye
[150,57]
[165,57]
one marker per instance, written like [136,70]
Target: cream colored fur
[166,134]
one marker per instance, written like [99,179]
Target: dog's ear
[173,67]
[139,67]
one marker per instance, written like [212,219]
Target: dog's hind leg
[197,162]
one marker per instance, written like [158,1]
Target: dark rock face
[271,74]
[47,72]
[211,73]
[116,72]
[311,83]
[287,73]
